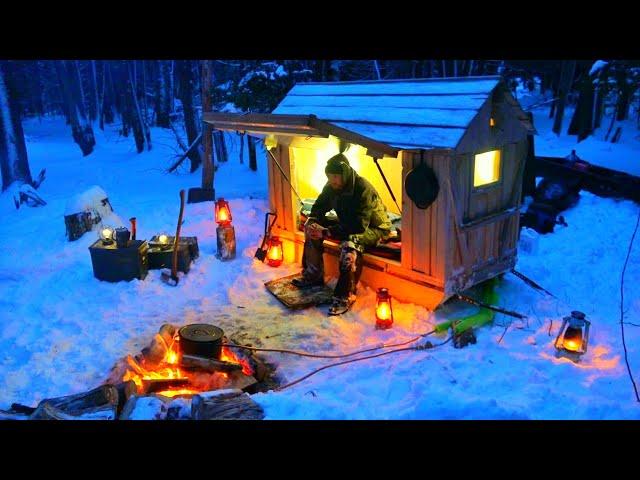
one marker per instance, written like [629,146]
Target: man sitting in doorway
[362,223]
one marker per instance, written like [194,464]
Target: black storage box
[114,264]
[161,256]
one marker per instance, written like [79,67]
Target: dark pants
[313,264]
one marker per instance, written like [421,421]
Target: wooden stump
[78,224]
[228,405]
[226,236]
[96,402]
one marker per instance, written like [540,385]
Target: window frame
[487,186]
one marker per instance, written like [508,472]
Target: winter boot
[303,282]
[341,305]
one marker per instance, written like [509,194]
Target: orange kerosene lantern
[384,310]
[275,254]
[223,212]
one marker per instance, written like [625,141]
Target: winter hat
[337,164]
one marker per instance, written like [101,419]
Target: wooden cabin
[470,131]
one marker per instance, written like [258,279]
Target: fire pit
[188,361]
[186,373]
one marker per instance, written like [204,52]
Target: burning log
[167,332]
[93,402]
[160,384]
[228,405]
[46,411]
[208,364]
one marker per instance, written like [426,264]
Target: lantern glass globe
[106,235]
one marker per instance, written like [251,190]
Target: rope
[357,360]
[313,355]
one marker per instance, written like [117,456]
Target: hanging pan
[422,186]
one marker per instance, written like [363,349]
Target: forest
[133,95]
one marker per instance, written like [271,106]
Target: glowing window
[486,168]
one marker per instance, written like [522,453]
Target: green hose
[483,317]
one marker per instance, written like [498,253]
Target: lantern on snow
[384,311]
[223,212]
[275,254]
[106,235]
[573,337]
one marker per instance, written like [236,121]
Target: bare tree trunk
[444,68]
[470,68]
[186,83]
[455,68]
[251,147]
[163,95]
[81,130]
[207,161]
[108,94]
[582,121]
[137,121]
[14,164]
[96,97]
[566,80]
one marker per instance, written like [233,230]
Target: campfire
[169,370]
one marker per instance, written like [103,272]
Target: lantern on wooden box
[106,235]
[163,240]
[223,212]
[573,337]
[384,310]
[275,254]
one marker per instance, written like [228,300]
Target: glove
[313,229]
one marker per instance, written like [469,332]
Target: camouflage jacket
[357,205]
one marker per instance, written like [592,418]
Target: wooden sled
[295,298]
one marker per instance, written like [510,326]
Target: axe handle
[174,263]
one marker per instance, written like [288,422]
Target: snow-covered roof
[426,113]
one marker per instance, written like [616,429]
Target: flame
[223,215]
[383,311]
[572,345]
[163,239]
[275,252]
[227,355]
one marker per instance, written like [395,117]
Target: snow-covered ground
[623,156]
[61,330]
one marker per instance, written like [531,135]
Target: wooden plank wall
[426,236]
[280,193]
[498,239]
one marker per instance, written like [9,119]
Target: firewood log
[235,405]
[208,364]
[46,411]
[157,385]
[125,390]
[4,415]
[78,404]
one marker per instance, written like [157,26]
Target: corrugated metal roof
[428,113]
